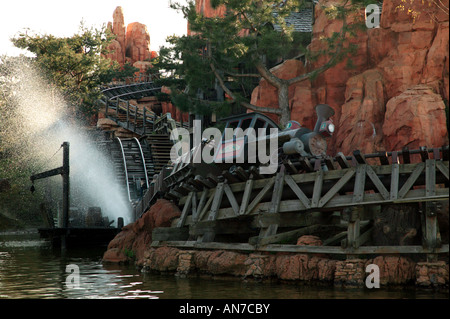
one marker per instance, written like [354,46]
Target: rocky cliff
[132,42]
[395,93]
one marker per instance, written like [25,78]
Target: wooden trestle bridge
[247,211]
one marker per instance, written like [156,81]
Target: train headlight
[331,128]
[327,128]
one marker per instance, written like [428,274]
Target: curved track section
[131,167]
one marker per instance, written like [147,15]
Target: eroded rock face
[137,43]
[132,43]
[362,114]
[415,118]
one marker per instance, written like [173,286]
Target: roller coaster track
[338,196]
[136,160]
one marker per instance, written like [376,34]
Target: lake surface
[31,268]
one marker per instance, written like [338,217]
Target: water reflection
[30,268]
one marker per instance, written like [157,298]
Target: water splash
[35,124]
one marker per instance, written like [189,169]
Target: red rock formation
[132,43]
[134,238]
[137,43]
[119,29]
[362,114]
[309,240]
[415,118]
[378,103]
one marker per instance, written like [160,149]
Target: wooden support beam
[377,182]
[336,187]
[246,197]
[360,179]
[317,191]
[364,250]
[260,196]
[231,199]
[254,171]
[442,168]
[436,153]
[306,164]
[394,158]
[201,204]
[393,194]
[430,177]
[352,215]
[359,157]
[170,233]
[411,180]
[330,163]
[289,236]
[383,157]
[342,160]
[277,191]
[293,185]
[186,210]
[294,219]
[405,155]
[334,239]
[275,204]
[206,207]
[432,236]
[241,173]
[445,153]
[226,226]
[290,167]
[218,195]
[204,182]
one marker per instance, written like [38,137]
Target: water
[31,268]
[34,122]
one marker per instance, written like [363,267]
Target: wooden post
[66,190]
[352,216]
[128,115]
[117,108]
[143,120]
[432,235]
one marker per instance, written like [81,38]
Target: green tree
[232,52]
[76,65]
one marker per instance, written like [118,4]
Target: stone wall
[311,269]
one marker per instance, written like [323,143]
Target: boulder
[309,240]
[134,238]
[415,118]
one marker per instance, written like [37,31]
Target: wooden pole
[66,190]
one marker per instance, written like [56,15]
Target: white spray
[38,126]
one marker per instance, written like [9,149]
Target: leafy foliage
[75,65]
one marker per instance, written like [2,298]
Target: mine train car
[294,140]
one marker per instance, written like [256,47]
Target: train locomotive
[234,153]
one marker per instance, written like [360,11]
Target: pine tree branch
[245,104]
